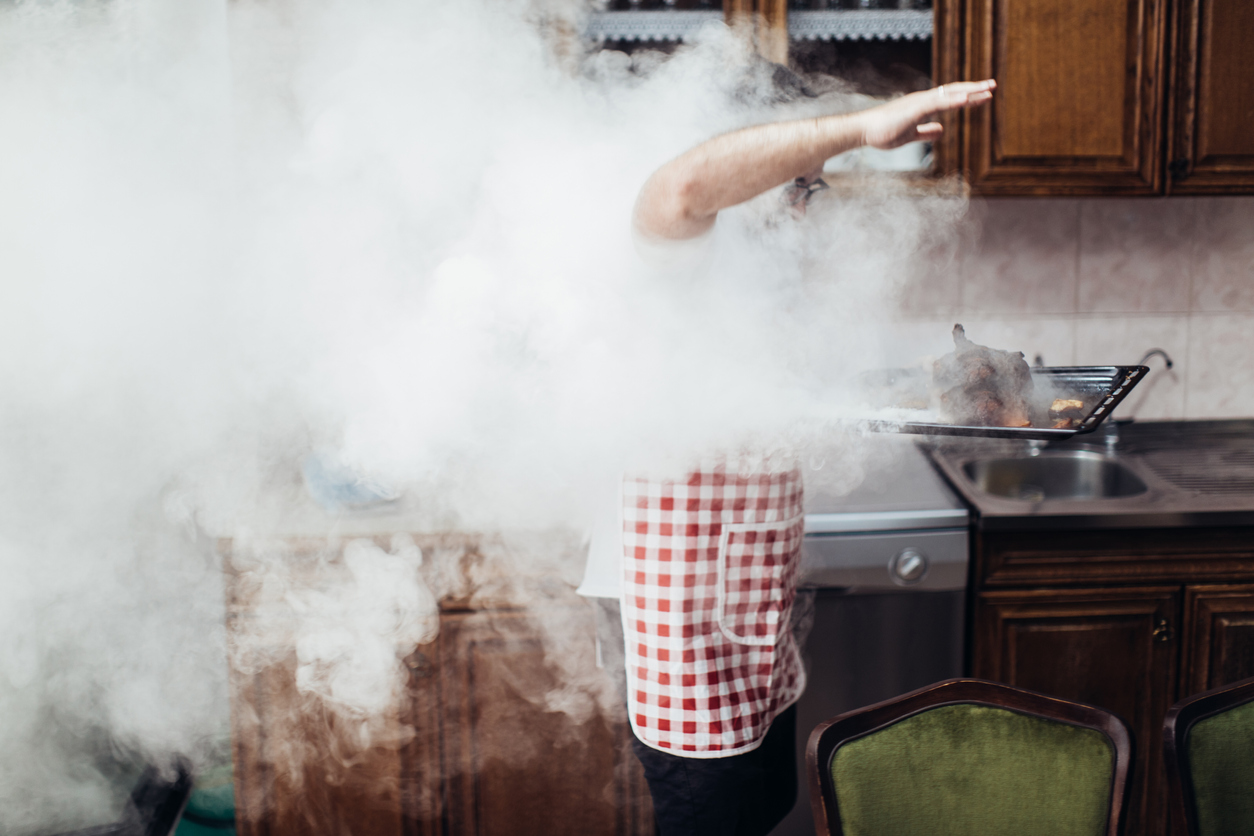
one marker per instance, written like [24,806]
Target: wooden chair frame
[1180,721]
[830,736]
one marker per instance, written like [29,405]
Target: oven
[882,591]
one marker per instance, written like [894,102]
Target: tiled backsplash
[1102,281]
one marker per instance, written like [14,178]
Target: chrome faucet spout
[1160,353]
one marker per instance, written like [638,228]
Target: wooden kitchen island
[501,724]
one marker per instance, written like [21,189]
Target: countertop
[1197,474]
[899,490]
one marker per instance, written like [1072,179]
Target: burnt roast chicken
[979,386]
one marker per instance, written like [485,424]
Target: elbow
[672,208]
[689,202]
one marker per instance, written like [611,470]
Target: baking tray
[1101,388]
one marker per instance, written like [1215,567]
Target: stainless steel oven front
[882,602]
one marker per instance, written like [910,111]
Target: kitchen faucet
[1160,353]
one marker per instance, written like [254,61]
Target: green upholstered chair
[1209,741]
[966,757]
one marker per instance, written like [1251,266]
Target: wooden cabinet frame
[769,19]
[1219,636]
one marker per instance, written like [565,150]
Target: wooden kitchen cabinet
[301,770]
[502,728]
[1101,97]
[1078,108]
[1129,620]
[1110,648]
[1210,145]
[1219,636]
[515,763]
[1095,97]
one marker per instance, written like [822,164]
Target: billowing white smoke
[398,230]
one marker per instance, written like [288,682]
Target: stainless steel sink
[1153,474]
[1058,475]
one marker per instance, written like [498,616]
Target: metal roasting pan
[1101,388]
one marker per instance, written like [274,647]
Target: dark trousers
[741,795]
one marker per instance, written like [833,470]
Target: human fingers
[930,130]
[957,89]
[962,93]
[976,99]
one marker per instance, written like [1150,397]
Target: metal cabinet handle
[1162,631]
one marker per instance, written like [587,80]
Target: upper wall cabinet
[1080,86]
[1101,97]
[1095,97]
[1211,131]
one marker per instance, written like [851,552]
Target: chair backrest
[970,758]
[1209,743]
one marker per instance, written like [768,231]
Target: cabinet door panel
[1212,149]
[1078,100]
[524,752]
[1219,639]
[1112,648]
[304,770]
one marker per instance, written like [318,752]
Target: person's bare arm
[683,197]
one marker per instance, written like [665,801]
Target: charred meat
[1066,413]
[980,386]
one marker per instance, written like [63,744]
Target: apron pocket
[754,559]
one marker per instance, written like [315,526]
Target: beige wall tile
[909,343]
[1223,255]
[1140,265]
[1135,255]
[1220,377]
[1123,341]
[933,284]
[1023,259]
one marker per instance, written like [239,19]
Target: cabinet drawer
[1179,555]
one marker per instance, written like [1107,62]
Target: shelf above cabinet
[648,25]
[861,24]
[853,24]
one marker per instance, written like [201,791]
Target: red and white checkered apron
[710,567]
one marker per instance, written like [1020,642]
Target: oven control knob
[908,566]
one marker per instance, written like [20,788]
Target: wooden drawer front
[1117,557]
[1114,649]
[1078,100]
[1219,639]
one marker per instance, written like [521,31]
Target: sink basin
[1066,475]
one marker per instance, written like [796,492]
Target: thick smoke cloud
[393,232]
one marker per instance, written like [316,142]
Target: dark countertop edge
[1110,520]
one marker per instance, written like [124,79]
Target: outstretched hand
[912,118]
[683,197]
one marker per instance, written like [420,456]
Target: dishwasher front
[883,595]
